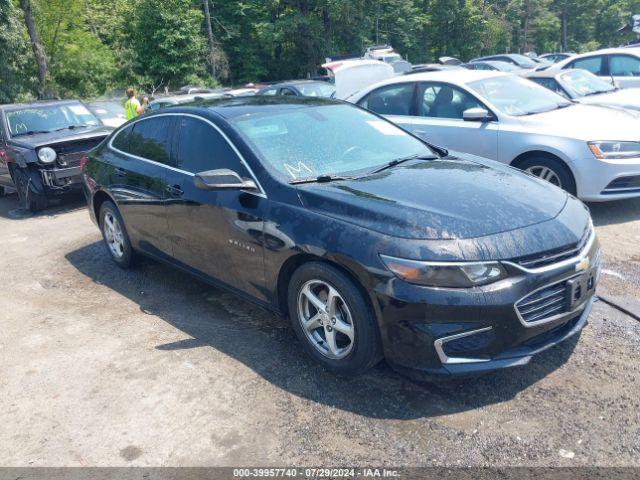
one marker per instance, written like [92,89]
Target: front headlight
[47,155]
[444,274]
[605,150]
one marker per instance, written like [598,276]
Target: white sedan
[590,151]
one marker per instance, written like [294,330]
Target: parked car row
[353,218]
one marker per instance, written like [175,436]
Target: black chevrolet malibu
[372,242]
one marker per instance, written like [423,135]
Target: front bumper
[62,179]
[445,332]
[604,180]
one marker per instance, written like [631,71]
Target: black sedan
[372,242]
[41,145]
[299,88]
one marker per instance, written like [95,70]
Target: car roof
[238,106]
[294,83]
[14,106]
[455,76]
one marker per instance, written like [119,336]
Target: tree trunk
[210,40]
[563,20]
[36,45]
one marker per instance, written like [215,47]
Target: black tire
[365,351]
[557,167]
[109,211]
[30,200]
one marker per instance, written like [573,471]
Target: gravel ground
[148,367]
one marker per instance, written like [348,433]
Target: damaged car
[41,146]
[353,228]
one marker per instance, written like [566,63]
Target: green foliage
[17,70]
[167,42]
[94,46]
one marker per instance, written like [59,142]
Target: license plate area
[580,289]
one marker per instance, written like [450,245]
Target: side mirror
[476,115]
[222,179]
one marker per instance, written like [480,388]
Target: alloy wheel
[326,319]
[113,235]
[545,173]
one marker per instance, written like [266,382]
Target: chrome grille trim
[547,312]
[446,360]
[582,253]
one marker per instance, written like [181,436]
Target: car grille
[545,303]
[629,184]
[554,256]
[70,154]
[468,345]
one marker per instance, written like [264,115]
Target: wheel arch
[517,161]
[98,199]
[349,268]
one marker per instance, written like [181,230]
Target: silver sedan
[590,151]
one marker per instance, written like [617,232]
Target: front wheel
[551,170]
[29,198]
[115,235]
[333,320]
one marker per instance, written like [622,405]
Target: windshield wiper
[398,161]
[70,127]
[30,132]
[319,179]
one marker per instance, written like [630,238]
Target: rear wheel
[333,320]
[115,235]
[552,170]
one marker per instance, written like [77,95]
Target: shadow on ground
[11,208]
[266,344]
[613,213]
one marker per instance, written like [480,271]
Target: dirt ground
[101,367]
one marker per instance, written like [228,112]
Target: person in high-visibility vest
[132,107]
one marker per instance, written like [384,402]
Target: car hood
[585,122]
[625,98]
[450,198]
[64,136]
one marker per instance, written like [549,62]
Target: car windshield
[516,96]
[49,118]
[391,59]
[585,83]
[319,89]
[335,140]
[524,61]
[107,109]
[503,66]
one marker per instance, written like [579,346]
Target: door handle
[121,172]
[175,190]
[420,131]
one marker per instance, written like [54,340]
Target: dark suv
[372,242]
[41,145]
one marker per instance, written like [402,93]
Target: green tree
[166,42]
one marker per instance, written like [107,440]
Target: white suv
[590,151]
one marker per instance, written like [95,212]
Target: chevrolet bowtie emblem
[584,264]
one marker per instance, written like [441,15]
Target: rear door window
[201,147]
[150,139]
[121,140]
[390,100]
[590,64]
[624,66]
